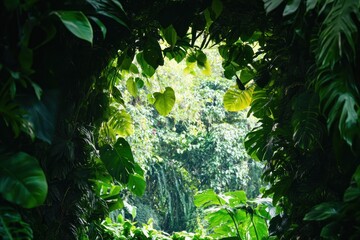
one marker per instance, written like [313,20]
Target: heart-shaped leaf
[165,101]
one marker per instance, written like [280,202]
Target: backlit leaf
[236,99]
[165,101]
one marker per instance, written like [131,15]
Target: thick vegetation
[64,160]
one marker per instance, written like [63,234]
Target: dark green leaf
[170,35]
[22,181]
[118,160]
[152,53]
[291,7]
[351,194]
[100,24]
[11,5]
[12,226]
[217,7]
[270,5]
[77,23]
[136,184]
[310,5]
[147,69]
[165,101]
[323,211]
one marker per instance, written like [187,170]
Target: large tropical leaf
[340,99]
[307,129]
[77,23]
[121,124]
[22,181]
[12,226]
[339,35]
[236,99]
[164,102]
[207,198]
[118,160]
[136,184]
[259,143]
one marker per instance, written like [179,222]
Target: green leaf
[206,198]
[310,5]
[139,82]
[164,102]
[132,87]
[136,184]
[22,181]
[152,53]
[323,211]
[170,35]
[217,7]
[270,5]
[77,23]
[237,100]
[307,129]
[237,198]
[356,176]
[122,124]
[147,69]
[118,160]
[351,194]
[291,7]
[37,89]
[100,24]
[201,59]
[12,226]
[246,75]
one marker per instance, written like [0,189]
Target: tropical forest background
[179,119]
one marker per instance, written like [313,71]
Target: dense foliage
[63,156]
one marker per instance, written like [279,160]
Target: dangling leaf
[77,23]
[236,99]
[132,87]
[165,101]
[22,181]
